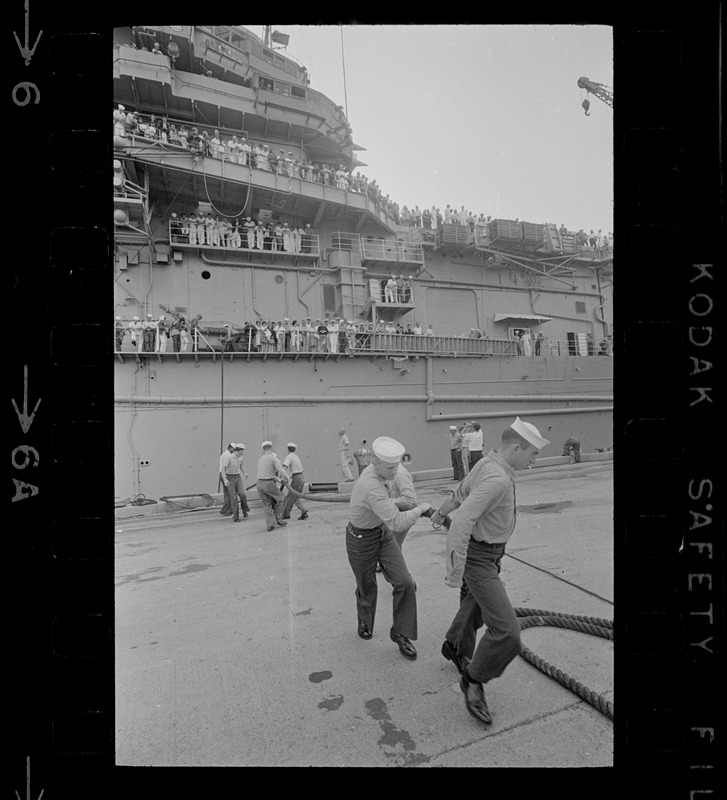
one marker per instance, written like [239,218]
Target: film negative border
[669,374]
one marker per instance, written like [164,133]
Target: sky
[485,116]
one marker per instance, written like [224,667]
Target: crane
[601,91]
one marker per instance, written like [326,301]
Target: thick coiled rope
[594,626]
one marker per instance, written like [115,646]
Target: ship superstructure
[206,229]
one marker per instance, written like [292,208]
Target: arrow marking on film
[24,51]
[25,420]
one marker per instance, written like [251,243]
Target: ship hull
[174,417]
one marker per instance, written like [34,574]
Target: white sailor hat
[135,318]
[529,432]
[266,443]
[239,446]
[452,427]
[292,444]
[388,450]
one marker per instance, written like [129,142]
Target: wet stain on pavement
[191,568]
[137,577]
[545,508]
[317,677]
[393,736]
[332,703]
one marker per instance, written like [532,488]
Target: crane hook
[586,105]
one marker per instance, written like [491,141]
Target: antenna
[343,62]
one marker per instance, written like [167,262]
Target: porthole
[206,275]
[279,279]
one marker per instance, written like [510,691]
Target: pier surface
[238,647]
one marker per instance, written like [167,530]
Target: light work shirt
[475,440]
[486,512]
[455,441]
[269,466]
[222,466]
[293,464]
[371,504]
[401,489]
[230,464]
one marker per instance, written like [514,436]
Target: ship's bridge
[203,84]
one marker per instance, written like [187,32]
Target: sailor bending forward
[373,516]
[475,546]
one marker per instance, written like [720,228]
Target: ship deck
[238,647]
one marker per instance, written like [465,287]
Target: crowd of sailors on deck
[330,335]
[248,153]
[239,232]
[259,155]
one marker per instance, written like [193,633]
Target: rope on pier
[594,626]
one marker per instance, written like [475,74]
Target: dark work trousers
[237,490]
[475,456]
[272,500]
[366,549]
[485,601]
[399,536]
[457,464]
[226,504]
[297,482]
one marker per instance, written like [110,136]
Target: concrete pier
[238,647]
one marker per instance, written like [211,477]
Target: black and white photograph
[337,489]
[363,301]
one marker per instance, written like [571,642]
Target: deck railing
[188,234]
[214,338]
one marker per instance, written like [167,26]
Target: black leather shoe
[287,516]
[474,698]
[304,515]
[363,631]
[282,522]
[406,648]
[450,653]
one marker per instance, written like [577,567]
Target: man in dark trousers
[373,515]
[232,478]
[455,450]
[226,509]
[476,540]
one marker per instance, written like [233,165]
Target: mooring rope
[307,496]
[536,617]
[594,626]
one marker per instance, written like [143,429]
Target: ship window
[206,275]
[256,50]
[279,279]
[268,56]
[265,83]
[279,62]
[580,307]
[297,91]
[282,88]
